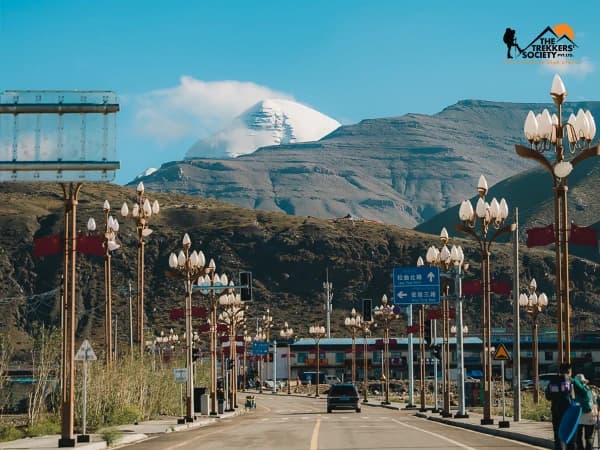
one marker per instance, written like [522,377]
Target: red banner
[433,314]
[90,245]
[541,236]
[501,287]
[412,329]
[583,236]
[471,287]
[47,245]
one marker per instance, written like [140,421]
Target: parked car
[270,384]
[332,379]
[527,385]
[343,396]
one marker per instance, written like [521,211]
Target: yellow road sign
[501,353]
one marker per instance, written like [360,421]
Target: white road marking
[314,440]
[439,436]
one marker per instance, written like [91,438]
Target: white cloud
[579,68]
[195,108]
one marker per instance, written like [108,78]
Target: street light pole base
[410,406]
[504,424]
[365,401]
[66,442]
[485,421]
[181,421]
[446,414]
[189,419]
[83,438]
[385,403]
[461,416]
[212,413]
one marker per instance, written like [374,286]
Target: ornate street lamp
[366,332]
[423,408]
[233,317]
[493,213]
[188,266]
[247,341]
[450,263]
[267,324]
[533,304]
[317,332]
[260,337]
[213,287]
[385,313]
[141,212]
[546,132]
[110,244]
[287,333]
[354,324]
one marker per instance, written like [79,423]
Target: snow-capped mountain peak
[269,122]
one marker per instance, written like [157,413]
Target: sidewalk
[527,431]
[126,434]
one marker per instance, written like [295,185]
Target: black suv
[342,396]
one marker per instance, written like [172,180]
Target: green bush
[45,426]
[110,435]
[10,433]
[128,414]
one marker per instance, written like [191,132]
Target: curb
[516,436]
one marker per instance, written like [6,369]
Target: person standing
[585,397]
[560,393]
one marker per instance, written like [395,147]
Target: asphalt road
[301,423]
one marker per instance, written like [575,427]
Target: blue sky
[183,69]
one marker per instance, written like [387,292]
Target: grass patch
[45,426]
[10,433]
[110,435]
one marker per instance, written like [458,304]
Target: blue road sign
[416,285]
[260,348]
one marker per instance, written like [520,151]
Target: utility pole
[328,297]
[516,379]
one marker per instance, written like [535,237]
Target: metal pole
[84,412]
[189,401]
[289,368]
[461,414]
[565,273]
[328,297]
[536,376]
[386,365]
[422,355]
[140,293]
[318,380]
[130,323]
[275,366]
[353,355]
[435,368]
[213,355]
[365,369]
[411,374]
[487,342]
[107,293]
[516,381]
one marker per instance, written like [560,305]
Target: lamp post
[386,313]
[267,324]
[110,234]
[260,337]
[546,132]
[233,317]
[317,332]
[213,286]
[450,263]
[288,333]
[354,324]
[247,340]
[366,332]
[188,265]
[423,408]
[534,304]
[460,330]
[493,213]
[142,211]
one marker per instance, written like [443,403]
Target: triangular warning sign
[501,353]
[85,352]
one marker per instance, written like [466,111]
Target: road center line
[314,440]
[451,441]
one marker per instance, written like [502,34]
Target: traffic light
[367,310]
[428,333]
[437,352]
[246,291]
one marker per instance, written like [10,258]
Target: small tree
[45,359]
[6,352]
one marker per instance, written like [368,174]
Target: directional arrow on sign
[431,277]
[402,294]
